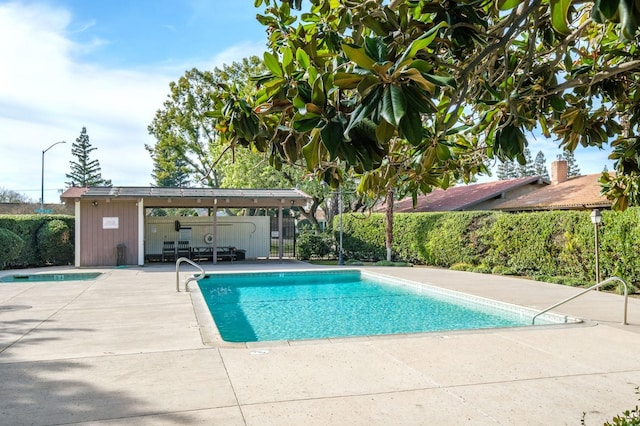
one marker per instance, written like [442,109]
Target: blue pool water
[74,276]
[254,307]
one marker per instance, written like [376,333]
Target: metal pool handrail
[598,285]
[194,278]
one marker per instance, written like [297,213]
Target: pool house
[114,225]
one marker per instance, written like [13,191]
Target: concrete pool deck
[127,349]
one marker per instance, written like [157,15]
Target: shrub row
[36,240]
[554,243]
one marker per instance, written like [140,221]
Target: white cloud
[47,94]
[236,54]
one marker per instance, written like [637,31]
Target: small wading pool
[73,276]
[253,307]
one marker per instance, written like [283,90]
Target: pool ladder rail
[190,279]
[596,286]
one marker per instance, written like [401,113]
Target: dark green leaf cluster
[416,93]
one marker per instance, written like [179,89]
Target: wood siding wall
[250,233]
[98,245]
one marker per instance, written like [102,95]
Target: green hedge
[12,246]
[54,243]
[48,239]
[554,243]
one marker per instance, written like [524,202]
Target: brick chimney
[559,172]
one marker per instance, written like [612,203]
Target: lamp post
[340,256]
[596,219]
[42,177]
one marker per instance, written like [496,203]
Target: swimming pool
[252,307]
[63,276]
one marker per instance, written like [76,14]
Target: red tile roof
[461,197]
[580,192]
[74,192]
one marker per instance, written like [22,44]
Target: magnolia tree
[408,96]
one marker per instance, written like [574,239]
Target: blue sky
[107,65]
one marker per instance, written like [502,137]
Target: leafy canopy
[410,94]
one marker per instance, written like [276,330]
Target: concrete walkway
[127,349]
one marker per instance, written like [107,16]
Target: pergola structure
[107,217]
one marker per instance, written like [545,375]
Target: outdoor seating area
[222,253]
[171,252]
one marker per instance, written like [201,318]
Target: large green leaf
[306,122]
[604,10]
[376,48]
[441,80]
[418,78]
[420,43]
[384,131]
[508,4]
[394,104]
[311,151]
[273,64]
[347,80]
[287,60]
[372,23]
[302,58]
[332,137]
[411,128]
[417,100]
[318,96]
[366,107]
[358,55]
[559,13]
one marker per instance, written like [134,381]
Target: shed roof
[580,192]
[463,197]
[193,197]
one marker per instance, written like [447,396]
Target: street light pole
[596,219]
[42,177]
[340,256]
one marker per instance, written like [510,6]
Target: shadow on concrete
[69,390]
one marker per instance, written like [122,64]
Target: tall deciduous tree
[188,149]
[85,171]
[11,196]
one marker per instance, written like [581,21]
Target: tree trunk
[389,228]
[311,214]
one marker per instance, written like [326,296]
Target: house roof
[463,197]
[74,192]
[581,192]
[192,197]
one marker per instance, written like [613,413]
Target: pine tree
[527,168]
[85,172]
[169,169]
[540,166]
[506,170]
[572,167]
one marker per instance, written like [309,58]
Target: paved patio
[128,349]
